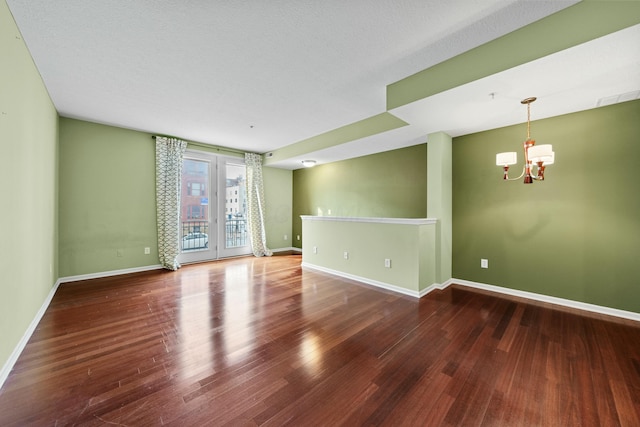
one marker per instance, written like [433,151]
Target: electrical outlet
[387,263]
[346,255]
[484,263]
[147,251]
[298,237]
[328,211]
[285,237]
[315,249]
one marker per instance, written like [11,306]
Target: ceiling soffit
[446,82]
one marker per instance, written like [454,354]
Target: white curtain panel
[255,201]
[169,155]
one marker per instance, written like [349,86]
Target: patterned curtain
[169,153]
[255,201]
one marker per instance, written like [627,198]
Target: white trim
[290,248]
[13,358]
[549,299]
[402,221]
[430,288]
[376,283]
[108,273]
[608,311]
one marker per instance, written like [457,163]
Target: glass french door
[197,236]
[212,208]
[235,238]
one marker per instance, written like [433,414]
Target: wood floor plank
[260,341]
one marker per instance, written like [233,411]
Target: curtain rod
[204,145]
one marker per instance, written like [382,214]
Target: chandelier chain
[528,121]
[528,101]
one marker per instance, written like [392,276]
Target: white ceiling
[258,76]
[562,83]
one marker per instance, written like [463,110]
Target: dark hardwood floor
[258,341]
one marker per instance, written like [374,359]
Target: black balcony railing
[235,231]
[195,234]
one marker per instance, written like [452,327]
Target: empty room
[418,213]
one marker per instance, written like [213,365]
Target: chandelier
[538,156]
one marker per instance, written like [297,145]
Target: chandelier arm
[536,176]
[520,177]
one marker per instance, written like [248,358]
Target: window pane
[194,205]
[235,207]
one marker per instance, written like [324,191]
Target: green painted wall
[107,198]
[439,199]
[391,184]
[278,196]
[577,234]
[411,249]
[28,188]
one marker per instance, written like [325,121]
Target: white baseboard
[492,288]
[13,358]
[290,248]
[108,273]
[549,299]
[432,287]
[376,283]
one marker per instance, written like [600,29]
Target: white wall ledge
[403,221]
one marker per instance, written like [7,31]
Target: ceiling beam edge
[373,125]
